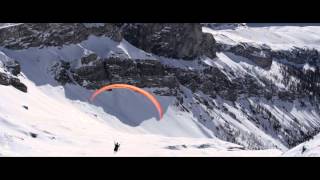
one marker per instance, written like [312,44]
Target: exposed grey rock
[298,56]
[33,135]
[148,73]
[8,80]
[174,40]
[260,55]
[14,67]
[61,72]
[204,146]
[53,34]
[89,58]
[15,82]
[291,65]
[208,46]
[222,26]
[4,79]
[263,55]
[173,147]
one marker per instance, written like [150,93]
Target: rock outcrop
[174,40]
[53,34]
[222,26]
[14,67]
[146,73]
[8,80]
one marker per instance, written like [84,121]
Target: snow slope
[63,129]
[310,148]
[36,64]
[6,25]
[59,120]
[277,37]
[70,128]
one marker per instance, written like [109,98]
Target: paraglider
[116,147]
[133,88]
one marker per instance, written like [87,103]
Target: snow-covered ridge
[310,148]
[6,25]
[277,37]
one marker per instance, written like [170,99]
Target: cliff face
[184,40]
[176,40]
[53,34]
[9,70]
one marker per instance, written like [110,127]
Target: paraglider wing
[133,88]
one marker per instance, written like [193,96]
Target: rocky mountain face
[9,76]
[291,64]
[176,40]
[300,84]
[53,34]
[221,26]
[184,40]
[143,73]
[8,80]
[233,105]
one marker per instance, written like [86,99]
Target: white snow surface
[312,149]
[277,37]
[6,25]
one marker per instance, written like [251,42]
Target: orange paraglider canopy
[133,88]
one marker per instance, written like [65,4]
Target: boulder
[14,67]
